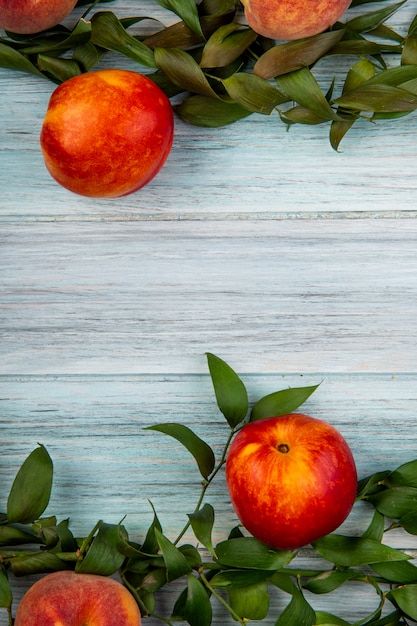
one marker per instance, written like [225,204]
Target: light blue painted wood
[295,264]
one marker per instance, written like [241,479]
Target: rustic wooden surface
[294,263]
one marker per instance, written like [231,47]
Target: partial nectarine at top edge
[26,17]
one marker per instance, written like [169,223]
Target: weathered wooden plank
[146,297]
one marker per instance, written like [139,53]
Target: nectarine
[70,599]
[33,16]
[293,19]
[107,133]
[292,479]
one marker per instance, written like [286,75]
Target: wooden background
[292,262]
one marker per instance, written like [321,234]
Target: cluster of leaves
[239,572]
[223,71]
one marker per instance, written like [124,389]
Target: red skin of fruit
[33,16]
[293,19]
[70,599]
[289,498]
[107,133]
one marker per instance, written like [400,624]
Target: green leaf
[231,394]
[59,69]
[403,476]
[295,55]
[251,602]
[371,484]
[183,70]
[31,489]
[200,450]
[331,580]
[6,596]
[38,563]
[109,33]
[202,522]
[409,522]
[254,93]
[397,571]
[376,528]
[175,561]
[16,534]
[378,98]
[396,501]
[281,402]
[355,551]
[187,11]
[406,599]
[103,556]
[150,545]
[197,609]
[210,112]
[298,612]
[226,44]
[371,20]
[238,578]
[11,59]
[249,553]
[327,619]
[302,87]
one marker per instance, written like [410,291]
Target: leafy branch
[239,572]
[220,71]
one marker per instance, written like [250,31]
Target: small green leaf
[406,598]
[302,87]
[59,69]
[397,571]
[175,561]
[38,563]
[231,394]
[6,596]
[109,33]
[200,450]
[251,602]
[150,545]
[396,501]
[187,11]
[379,99]
[355,551]
[403,476]
[182,70]
[376,528]
[17,534]
[298,612]
[31,489]
[254,93]
[409,522]
[371,20]
[238,578]
[11,59]
[210,112]
[295,55]
[281,402]
[331,580]
[226,44]
[202,522]
[371,484]
[103,556]
[197,608]
[249,553]
[327,619]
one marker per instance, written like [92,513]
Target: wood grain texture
[294,263]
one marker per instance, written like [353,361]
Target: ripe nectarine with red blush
[67,598]
[26,17]
[293,19]
[292,479]
[107,133]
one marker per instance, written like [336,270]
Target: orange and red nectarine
[292,479]
[293,19]
[26,17]
[67,598]
[107,133]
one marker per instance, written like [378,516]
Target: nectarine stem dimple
[283,447]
